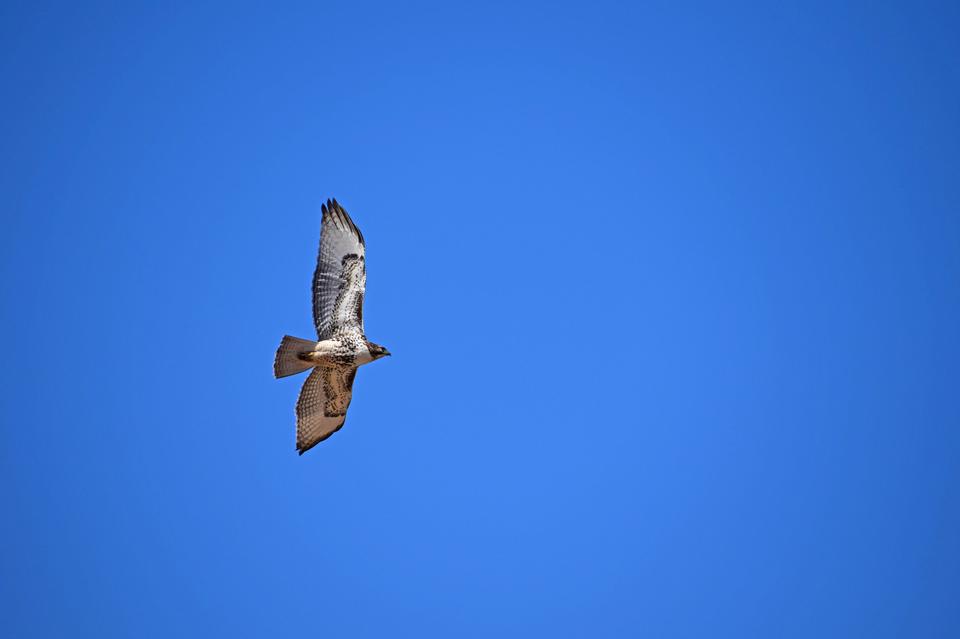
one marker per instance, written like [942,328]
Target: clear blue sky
[673,294]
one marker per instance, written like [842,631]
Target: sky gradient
[672,292]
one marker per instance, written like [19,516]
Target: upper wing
[341,275]
[322,405]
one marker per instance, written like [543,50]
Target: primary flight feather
[338,286]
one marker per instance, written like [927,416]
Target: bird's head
[377,351]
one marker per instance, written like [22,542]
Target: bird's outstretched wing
[341,275]
[322,405]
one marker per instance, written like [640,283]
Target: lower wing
[322,405]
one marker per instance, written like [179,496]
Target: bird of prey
[338,286]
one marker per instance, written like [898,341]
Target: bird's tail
[287,361]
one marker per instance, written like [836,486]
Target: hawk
[338,285]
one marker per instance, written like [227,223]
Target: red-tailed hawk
[338,286]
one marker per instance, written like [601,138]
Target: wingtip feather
[334,211]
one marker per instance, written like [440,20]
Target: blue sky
[672,293]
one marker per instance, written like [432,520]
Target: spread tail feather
[287,361]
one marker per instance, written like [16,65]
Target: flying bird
[338,285]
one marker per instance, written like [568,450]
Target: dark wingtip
[335,211]
[301,451]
